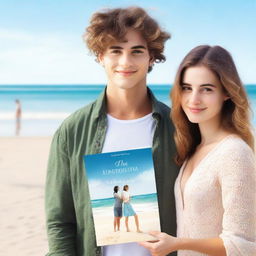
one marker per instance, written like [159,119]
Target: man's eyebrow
[115,47]
[134,47]
[138,47]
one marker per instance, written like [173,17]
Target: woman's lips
[196,110]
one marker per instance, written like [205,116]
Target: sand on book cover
[123,196]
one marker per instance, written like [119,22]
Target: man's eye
[137,51]
[115,51]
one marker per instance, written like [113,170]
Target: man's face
[126,63]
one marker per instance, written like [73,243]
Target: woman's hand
[164,245]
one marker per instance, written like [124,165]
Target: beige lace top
[219,199]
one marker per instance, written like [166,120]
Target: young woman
[128,210]
[118,211]
[215,189]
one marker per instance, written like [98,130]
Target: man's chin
[126,87]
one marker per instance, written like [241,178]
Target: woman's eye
[185,88]
[207,89]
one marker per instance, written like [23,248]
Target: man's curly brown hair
[111,25]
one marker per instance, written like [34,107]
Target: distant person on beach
[215,190]
[126,43]
[18,117]
[118,209]
[128,210]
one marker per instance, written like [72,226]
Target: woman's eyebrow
[211,85]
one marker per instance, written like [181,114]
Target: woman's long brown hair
[235,111]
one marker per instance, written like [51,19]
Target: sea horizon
[135,199]
[141,203]
[45,106]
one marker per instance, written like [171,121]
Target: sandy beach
[105,234]
[23,163]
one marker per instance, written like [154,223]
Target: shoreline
[105,235]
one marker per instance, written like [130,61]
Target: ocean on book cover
[123,196]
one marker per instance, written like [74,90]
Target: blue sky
[41,41]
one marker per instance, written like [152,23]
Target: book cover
[123,196]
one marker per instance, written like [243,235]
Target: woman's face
[202,95]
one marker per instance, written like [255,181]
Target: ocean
[44,107]
[140,203]
[138,199]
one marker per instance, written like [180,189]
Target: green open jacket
[68,211]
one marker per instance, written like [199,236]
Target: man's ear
[151,61]
[99,59]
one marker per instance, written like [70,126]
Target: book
[123,192]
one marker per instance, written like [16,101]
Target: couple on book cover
[123,207]
[203,148]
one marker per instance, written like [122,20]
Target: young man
[126,115]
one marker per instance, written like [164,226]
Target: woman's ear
[226,97]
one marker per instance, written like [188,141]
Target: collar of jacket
[101,107]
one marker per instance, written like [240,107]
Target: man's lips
[196,110]
[125,72]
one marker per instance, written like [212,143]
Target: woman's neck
[212,132]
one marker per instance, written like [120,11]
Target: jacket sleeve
[59,206]
[238,183]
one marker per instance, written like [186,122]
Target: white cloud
[43,59]
[99,189]
[6,34]
[144,183]
[27,58]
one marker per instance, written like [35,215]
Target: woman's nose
[195,97]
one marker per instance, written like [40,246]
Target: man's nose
[125,60]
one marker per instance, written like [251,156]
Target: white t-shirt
[125,135]
[129,134]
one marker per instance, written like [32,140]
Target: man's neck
[128,104]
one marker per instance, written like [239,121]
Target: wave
[35,116]
[138,208]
